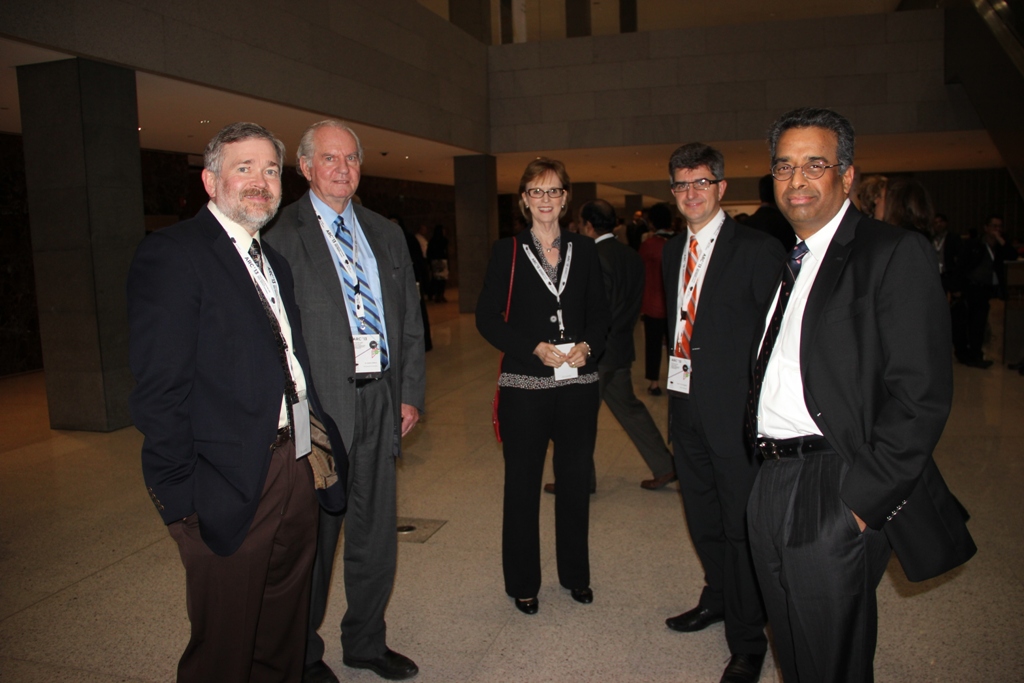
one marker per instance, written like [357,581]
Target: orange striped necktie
[683,343]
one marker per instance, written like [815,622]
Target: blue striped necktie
[371,322]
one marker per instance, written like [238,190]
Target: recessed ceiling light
[406,156]
[140,127]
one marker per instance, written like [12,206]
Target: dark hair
[660,216]
[599,214]
[536,169]
[942,216]
[908,205]
[213,155]
[766,189]
[696,154]
[812,117]
[991,216]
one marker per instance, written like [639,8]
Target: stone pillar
[577,18]
[473,17]
[627,16]
[83,176]
[634,203]
[476,222]
[581,194]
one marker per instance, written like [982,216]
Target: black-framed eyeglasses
[701,184]
[811,171]
[554,192]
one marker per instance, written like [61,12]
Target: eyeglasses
[554,192]
[811,171]
[701,184]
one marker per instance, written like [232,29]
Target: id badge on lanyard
[679,371]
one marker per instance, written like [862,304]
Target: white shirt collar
[708,231]
[817,244]
[239,235]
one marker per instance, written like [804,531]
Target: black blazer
[875,356]
[532,316]
[741,274]
[623,273]
[209,378]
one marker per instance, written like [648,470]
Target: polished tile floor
[91,588]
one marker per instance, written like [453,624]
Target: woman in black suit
[551,336]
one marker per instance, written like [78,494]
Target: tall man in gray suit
[356,289]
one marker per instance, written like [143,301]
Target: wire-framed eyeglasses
[811,171]
[701,184]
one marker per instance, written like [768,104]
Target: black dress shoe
[527,605]
[743,669]
[318,672]
[659,482]
[695,620]
[584,595]
[390,665]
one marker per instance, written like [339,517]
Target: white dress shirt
[782,412]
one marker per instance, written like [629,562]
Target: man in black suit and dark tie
[852,386]
[718,277]
[223,399]
[356,288]
[623,273]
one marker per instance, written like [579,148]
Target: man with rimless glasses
[718,277]
[852,383]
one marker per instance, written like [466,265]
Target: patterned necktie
[789,274]
[371,321]
[257,255]
[683,343]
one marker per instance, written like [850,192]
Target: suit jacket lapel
[226,253]
[831,268]
[320,254]
[716,266]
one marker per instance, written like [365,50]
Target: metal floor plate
[416,530]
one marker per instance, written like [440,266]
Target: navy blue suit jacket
[209,378]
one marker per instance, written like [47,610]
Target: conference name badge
[367,347]
[679,371]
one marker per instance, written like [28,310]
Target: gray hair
[213,155]
[813,117]
[693,156]
[305,149]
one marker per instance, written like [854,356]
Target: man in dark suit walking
[718,277]
[355,286]
[852,386]
[623,273]
[223,400]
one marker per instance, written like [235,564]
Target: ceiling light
[204,120]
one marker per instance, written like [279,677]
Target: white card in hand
[564,371]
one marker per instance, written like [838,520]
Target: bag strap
[511,279]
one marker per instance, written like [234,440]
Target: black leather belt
[776,449]
[360,383]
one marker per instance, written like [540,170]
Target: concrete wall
[390,63]
[884,71]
